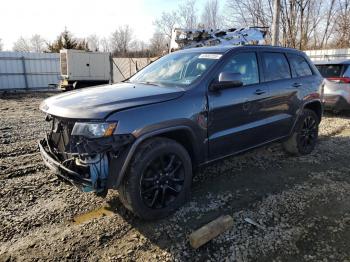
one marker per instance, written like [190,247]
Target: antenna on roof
[189,38]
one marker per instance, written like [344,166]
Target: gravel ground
[303,203]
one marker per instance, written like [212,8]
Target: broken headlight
[93,129]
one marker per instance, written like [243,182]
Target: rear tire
[159,179]
[305,135]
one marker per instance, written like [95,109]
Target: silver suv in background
[337,83]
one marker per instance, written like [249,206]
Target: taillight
[344,80]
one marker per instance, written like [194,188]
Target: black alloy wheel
[162,181]
[159,179]
[304,137]
[308,133]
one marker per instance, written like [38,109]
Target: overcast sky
[81,17]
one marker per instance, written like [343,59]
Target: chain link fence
[123,68]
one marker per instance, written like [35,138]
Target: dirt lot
[303,203]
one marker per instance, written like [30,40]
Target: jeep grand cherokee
[145,136]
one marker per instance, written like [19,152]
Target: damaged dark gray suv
[146,136]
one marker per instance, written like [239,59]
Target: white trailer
[81,68]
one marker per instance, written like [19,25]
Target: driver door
[236,114]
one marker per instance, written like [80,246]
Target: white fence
[328,54]
[28,70]
[42,70]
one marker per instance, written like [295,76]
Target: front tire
[305,135]
[159,179]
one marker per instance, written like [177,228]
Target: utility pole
[276,21]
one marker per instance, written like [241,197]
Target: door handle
[297,85]
[259,92]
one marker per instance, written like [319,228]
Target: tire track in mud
[22,171]
[20,165]
[15,152]
[29,154]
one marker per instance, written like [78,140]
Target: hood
[99,102]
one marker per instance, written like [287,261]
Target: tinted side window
[246,64]
[299,65]
[275,66]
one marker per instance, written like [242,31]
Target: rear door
[99,66]
[303,79]
[79,65]
[283,102]
[237,115]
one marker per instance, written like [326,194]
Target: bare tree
[187,13]
[93,42]
[304,23]
[37,44]
[249,13]
[105,45]
[142,46]
[210,16]
[21,45]
[166,23]
[329,23]
[1,45]
[138,46]
[158,43]
[342,33]
[121,40]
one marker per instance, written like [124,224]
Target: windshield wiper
[146,83]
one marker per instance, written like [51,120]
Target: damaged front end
[84,152]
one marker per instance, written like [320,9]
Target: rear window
[276,66]
[299,66]
[328,71]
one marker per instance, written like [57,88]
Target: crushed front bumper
[59,169]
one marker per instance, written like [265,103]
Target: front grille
[65,146]
[60,138]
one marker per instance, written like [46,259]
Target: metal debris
[189,38]
[251,221]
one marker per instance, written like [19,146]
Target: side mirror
[227,80]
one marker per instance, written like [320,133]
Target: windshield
[176,69]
